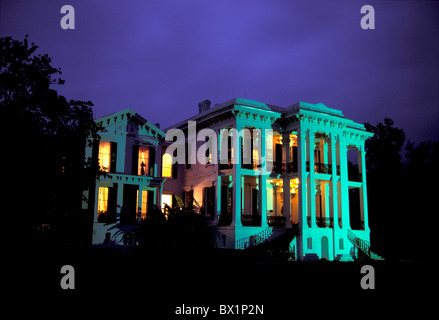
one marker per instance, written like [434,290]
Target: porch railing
[250,220]
[276,221]
[322,168]
[251,241]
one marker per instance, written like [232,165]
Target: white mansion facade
[311,187]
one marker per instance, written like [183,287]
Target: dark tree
[401,194]
[44,138]
[419,196]
[384,178]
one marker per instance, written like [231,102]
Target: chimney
[157,125]
[203,106]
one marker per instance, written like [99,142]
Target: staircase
[255,240]
[269,239]
[363,246]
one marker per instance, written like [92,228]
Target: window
[341,245]
[104,155]
[255,159]
[142,205]
[103,200]
[143,162]
[166,199]
[167,165]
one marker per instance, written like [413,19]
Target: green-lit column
[119,201]
[286,180]
[363,190]
[262,182]
[301,152]
[311,179]
[237,183]
[96,200]
[333,197]
[139,204]
[344,189]
[218,199]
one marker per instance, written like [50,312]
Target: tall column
[325,185]
[302,201]
[275,200]
[139,204]
[344,189]
[119,201]
[363,189]
[159,195]
[262,182]
[286,182]
[333,183]
[217,212]
[236,219]
[311,179]
[96,200]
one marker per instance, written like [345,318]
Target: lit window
[142,206]
[102,200]
[166,199]
[167,165]
[255,159]
[104,155]
[143,161]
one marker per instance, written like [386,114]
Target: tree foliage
[400,192]
[44,137]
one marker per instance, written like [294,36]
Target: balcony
[250,220]
[324,222]
[281,167]
[322,168]
[276,221]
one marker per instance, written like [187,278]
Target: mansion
[309,186]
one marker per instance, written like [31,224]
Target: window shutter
[175,171]
[135,161]
[113,157]
[151,161]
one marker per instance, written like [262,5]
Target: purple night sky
[160,58]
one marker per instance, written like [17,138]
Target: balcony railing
[276,221]
[322,168]
[281,167]
[250,220]
[324,222]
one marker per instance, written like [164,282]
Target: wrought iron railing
[276,221]
[325,222]
[322,168]
[250,220]
[361,244]
[254,240]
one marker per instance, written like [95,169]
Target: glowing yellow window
[103,200]
[142,206]
[255,158]
[104,155]
[167,165]
[143,161]
[166,199]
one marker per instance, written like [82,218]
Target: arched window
[167,165]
